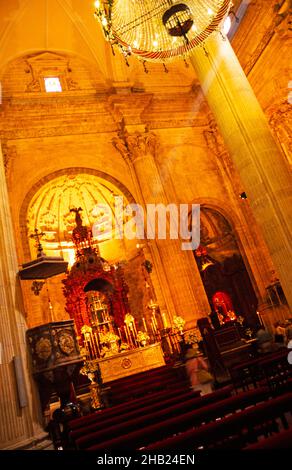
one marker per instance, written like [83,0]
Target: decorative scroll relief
[280,120]
[283,20]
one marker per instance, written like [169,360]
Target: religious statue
[225,313]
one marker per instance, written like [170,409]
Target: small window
[53,84]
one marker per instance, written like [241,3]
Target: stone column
[248,138]
[19,425]
[251,242]
[187,294]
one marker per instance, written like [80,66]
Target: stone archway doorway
[223,271]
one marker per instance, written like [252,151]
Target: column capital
[283,19]
[277,114]
[137,144]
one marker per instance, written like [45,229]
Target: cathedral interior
[95,130]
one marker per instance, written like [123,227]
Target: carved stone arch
[229,269]
[230,215]
[66,172]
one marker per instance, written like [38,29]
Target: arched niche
[47,208]
[222,268]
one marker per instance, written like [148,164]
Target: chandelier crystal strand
[160,30]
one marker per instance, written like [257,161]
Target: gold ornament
[43,348]
[66,343]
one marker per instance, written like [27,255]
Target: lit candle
[131,330]
[152,326]
[119,333]
[135,329]
[97,345]
[127,335]
[89,348]
[164,320]
[144,324]
[154,321]
[93,353]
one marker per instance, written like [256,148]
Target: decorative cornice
[93,127]
[129,107]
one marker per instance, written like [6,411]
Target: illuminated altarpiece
[96,299]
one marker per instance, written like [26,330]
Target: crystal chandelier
[160,30]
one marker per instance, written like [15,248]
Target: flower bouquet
[179,323]
[142,338]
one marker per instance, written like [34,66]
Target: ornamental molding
[129,107]
[94,127]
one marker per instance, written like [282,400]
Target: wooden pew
[211,408]
[236,430]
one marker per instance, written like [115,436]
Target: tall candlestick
[89,348]
[164,320]
[97,345]
[92,347]
[154,321]
[127,335]
[144,324]
[135,329]
[132,335]
[153,327]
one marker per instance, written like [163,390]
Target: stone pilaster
[253,246]
[180,281]
[251,146]
[19,425]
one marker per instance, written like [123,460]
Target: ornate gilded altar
[95,291]
[111,344]
[131,362]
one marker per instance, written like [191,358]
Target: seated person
[279,333]
[264,341]
[289,332]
